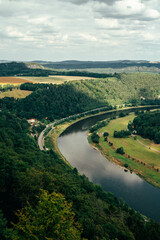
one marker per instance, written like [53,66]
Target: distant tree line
[99,125]
[100,64]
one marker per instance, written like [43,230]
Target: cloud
[74,29]
[80,2]
[128,9]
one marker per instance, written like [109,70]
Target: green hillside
[57,101]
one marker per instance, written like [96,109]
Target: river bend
[136,192]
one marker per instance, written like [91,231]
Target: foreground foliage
[51,218]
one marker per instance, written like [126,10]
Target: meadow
[138,158]
[56,79]
[16,93]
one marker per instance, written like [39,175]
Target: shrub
[120,150]
[95,138]
[105,134]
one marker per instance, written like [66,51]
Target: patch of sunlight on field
[16,93]
[55,79]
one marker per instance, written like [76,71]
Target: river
[136,192]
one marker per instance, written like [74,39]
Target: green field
[142,160]
[16,93]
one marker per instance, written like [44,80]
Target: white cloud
[74,29]
[107,23]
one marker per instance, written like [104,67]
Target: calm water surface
[137,193]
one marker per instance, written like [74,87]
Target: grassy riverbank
[51,140]
[143,161]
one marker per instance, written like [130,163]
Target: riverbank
[137,158]
[51,139]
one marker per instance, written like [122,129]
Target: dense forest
[97,214]
[147,125]
[52,101]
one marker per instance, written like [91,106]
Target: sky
[94,30]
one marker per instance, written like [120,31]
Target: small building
[142,98]
[31,121]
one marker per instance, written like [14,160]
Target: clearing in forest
[16,93]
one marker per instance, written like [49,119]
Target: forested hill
[52,101]
[99,64]
[20,69]
[58,101]
[32,69]
[25,170]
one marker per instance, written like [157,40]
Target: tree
[4,232]
[95,138]
[157,137]
[52,218]
[120,150]
[105,134]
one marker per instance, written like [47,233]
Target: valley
[67,164]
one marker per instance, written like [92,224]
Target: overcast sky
[79,29]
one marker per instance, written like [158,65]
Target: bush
[126,165]
[105,134]
[121,134]
[120,150]
[122,114]
[95,138]
[106,139]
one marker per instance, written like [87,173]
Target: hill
[122,64]
[35,69]
[58,101]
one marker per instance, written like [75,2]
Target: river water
[136,192]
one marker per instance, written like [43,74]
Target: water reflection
[136,192]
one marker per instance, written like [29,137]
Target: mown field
[140,159]
[56,79]
[13,80]
[16,93]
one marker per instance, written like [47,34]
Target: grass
[16,93]
[141,160]
[51,139]
[131,147]
[56,79]
[149,143]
